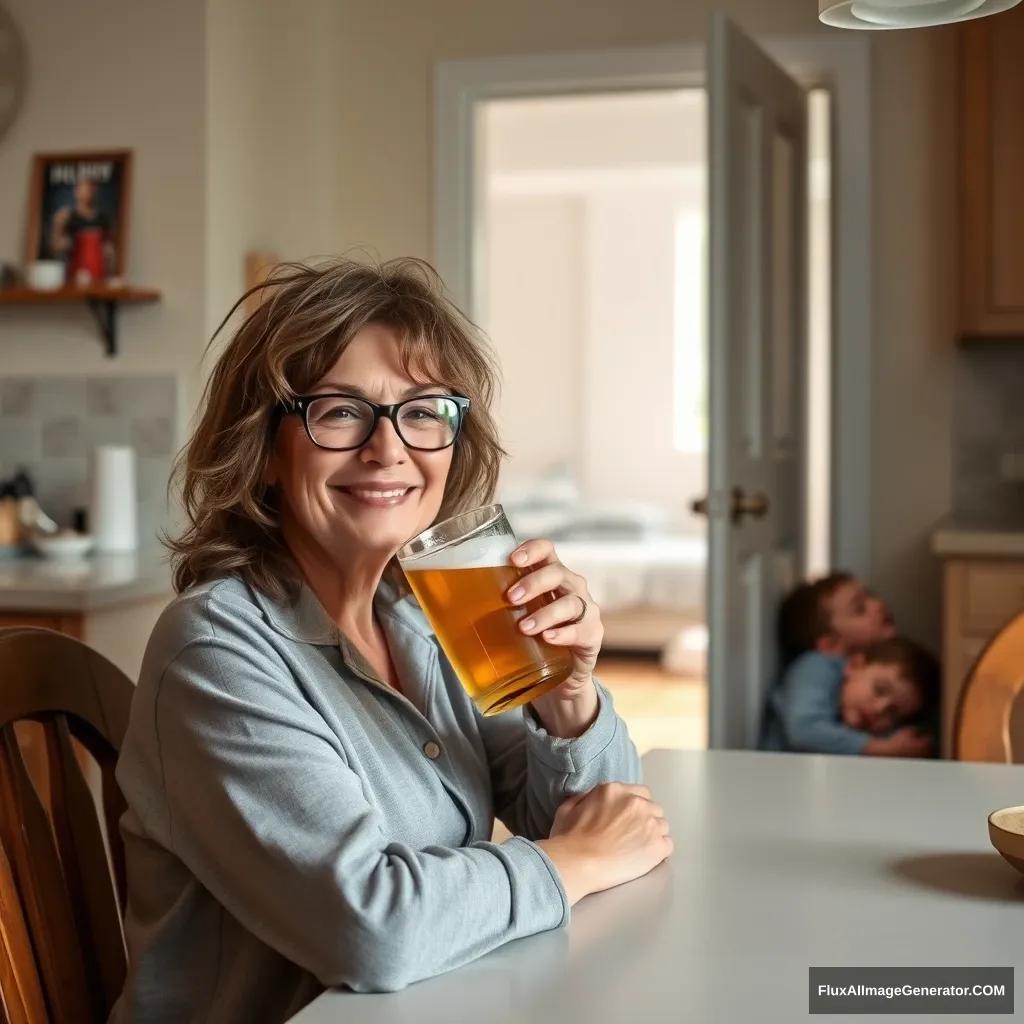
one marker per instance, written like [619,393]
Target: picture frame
[78,214]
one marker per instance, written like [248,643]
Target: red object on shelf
[87,257]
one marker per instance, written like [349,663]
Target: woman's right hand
[611,835]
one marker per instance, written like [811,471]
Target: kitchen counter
[960,536]
[74,586]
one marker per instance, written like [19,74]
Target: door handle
[754,505]
[741,504]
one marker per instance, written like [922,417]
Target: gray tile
[978,418]
[63,436]
[17,396]
[1012,432]
[149,396]
[107,430]
[20,439]
[978,458]
[61,486]
[153,435]
[60,396]
[103,397]
[981,497]
[152,476]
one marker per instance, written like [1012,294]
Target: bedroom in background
[589,237]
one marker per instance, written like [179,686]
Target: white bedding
[651,572]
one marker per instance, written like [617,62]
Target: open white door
[758,327]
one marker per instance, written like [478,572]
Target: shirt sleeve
[532,772]
[808,714]
[262,807]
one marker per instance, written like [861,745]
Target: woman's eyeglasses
[342,423]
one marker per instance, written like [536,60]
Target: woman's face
[372,500]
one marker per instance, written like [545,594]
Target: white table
[782,862]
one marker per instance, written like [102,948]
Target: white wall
[113,74]
[581,199]
[915,285]
[630,354]
[271,137]
[535,318]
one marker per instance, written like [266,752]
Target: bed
[647,576]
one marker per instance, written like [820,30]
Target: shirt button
[432,750]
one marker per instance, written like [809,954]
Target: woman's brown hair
[281,351]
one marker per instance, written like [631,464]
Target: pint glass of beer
[460,572]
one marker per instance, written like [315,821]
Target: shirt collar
[304,619]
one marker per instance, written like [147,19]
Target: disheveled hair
[804,616]
[281,351]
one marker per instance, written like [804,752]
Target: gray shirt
[293,823]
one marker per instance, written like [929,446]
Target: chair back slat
[114,806]
[65,855]
[26,835]
[989,721]
[21,996]
[86,872]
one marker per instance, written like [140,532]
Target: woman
[311,792]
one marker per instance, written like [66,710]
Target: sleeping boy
[850,686]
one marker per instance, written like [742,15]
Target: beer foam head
[483,552]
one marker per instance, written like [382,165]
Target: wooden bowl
[1006,831]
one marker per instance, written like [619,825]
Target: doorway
[579,243]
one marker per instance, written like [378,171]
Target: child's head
[834,615]
[888,684]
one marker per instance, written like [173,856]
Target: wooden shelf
[102,301]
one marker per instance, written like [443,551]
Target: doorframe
[842,63]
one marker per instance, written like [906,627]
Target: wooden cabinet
[991,147]
[980,597]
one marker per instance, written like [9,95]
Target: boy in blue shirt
[849,686]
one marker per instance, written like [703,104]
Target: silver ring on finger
[583,612]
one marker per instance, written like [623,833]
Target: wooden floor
[661,710]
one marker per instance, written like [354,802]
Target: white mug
[45,275]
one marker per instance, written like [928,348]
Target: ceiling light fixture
[882,14]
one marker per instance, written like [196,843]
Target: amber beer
[460,572]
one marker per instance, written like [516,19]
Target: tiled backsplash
[988,430]
[50,425]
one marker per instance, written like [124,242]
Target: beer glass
[460,572]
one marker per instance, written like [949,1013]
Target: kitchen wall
[915,287]
[111,74]
[988,453]
[227,106]
[49,426]
[354,77]
[272,130]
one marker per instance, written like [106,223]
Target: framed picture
[78,214]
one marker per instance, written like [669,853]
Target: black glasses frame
[300,407]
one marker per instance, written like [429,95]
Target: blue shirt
[293,823]
[802,712]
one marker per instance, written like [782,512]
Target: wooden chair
[989,722]
[62,953]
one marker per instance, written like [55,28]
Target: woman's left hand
[573,620]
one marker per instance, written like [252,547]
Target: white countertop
[34,584]
[962,536]
[782,862]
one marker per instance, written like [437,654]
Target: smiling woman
[311,790]
[313,337]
